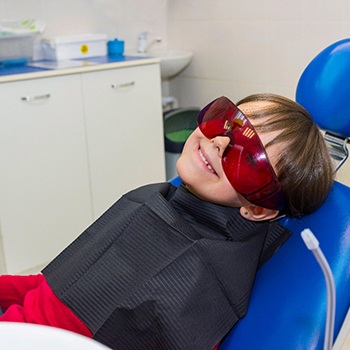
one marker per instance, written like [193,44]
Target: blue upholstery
[324,89]
[288,302]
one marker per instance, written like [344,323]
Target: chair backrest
[288,303]
[287,309]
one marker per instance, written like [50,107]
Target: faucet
[143,44]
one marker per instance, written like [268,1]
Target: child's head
[225,162]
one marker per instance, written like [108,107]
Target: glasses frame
[244,161]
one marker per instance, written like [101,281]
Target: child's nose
[221,142]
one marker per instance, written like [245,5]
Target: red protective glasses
[244,161]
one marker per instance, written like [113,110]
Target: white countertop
[16,73]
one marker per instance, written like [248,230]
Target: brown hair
[304,166]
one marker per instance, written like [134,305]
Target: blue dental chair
[288,304]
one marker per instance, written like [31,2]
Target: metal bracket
[337,148]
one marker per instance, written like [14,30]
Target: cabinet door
[124,131]
[44,186]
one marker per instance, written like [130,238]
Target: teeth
[203,158]
[206,162]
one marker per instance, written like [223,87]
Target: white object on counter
[21,27]
[74,46]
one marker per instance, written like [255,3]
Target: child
[173,268]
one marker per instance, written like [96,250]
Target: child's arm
[216,347]
[40,305]
[14,288]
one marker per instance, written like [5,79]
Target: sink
[172,62]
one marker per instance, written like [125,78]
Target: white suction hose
[312,244]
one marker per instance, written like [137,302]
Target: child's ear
[256,213]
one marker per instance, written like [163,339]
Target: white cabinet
[44,184]
[70,146]
[124,133]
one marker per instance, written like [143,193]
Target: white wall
[247,46]
[240,46]
[123,19]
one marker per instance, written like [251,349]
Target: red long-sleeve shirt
[29,299]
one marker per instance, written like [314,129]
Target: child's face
[200,165]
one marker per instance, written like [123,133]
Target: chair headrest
[324,88]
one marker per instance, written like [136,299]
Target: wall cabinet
[70,146]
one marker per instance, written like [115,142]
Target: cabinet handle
[36,98]
[123,85]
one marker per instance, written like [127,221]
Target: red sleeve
[14,288]
[30,299]
[41,306]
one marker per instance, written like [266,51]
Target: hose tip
[309,239]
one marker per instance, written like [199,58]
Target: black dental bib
[162,269]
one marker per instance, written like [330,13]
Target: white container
[14,47]
[74,46]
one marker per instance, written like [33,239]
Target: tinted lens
[245,162]
[219,117]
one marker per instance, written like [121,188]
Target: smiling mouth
[205,161]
